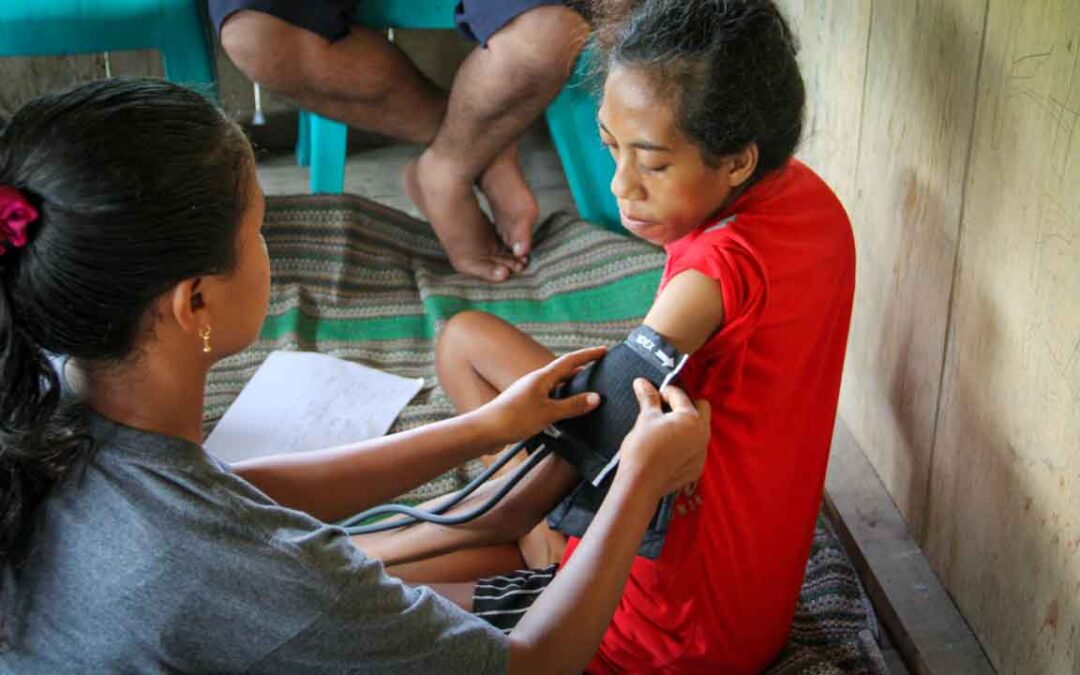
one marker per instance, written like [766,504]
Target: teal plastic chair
[571,118]
[56,27]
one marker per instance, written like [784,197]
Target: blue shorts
[477,20]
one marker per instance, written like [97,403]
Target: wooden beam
[923,622]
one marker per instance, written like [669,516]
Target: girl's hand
[665,451]
[526,406]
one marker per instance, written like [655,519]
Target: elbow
[542,657]
[529,657]
[522,659]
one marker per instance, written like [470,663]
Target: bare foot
[512,202]
[454,212]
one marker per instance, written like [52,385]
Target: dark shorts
[477,20]
[503,600]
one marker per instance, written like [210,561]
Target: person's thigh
[328,18]
[478,355]
[478,20]
[463,565]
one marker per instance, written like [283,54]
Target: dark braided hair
[730,64]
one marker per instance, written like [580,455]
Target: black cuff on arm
[591,442]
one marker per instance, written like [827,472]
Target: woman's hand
[526,406]
[665,451]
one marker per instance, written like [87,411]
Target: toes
[488,269]
[495,268]
[465,232]
[513,203]
[515,229]
[515,265]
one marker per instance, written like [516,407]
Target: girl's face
[663,186]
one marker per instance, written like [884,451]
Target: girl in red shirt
[702,109]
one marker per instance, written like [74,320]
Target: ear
[188,306]
[740,166]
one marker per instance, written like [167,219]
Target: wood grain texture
[832,56]
[1004,525]
[920,617]
[917,112]
[24,78]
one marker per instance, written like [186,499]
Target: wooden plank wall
[951,130]
[1005,488]
[21,79]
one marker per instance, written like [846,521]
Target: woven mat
[369,284]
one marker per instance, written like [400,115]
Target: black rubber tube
[435,515]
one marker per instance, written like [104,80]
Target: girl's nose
[625,184]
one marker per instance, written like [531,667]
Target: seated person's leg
[311,53]
[528,48]
[465,565]
[506,524]
[477,356]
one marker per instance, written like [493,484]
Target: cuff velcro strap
[591,442]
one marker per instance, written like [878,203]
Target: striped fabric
[503,600]
[834,630]
[369,284]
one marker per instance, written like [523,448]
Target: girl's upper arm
[687,311]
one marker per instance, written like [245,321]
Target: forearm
[337,482]
[513,517]
[563,629]
[425,540]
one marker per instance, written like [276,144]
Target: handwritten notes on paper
[301,401]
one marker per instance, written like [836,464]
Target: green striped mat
[369,284]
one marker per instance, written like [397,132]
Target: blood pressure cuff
[575,512]
[591,442]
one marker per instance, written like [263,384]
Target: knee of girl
[452,343]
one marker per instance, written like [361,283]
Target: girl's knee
[464,327]
[457,334]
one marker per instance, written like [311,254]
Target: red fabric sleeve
[726,258]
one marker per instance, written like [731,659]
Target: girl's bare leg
[467,564]
[476,357]
[459,594]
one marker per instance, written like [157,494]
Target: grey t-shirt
[155,557]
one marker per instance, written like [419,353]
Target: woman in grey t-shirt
[130,245]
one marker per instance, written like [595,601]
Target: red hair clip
[16,214]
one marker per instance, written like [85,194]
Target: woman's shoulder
[151,526]
[189,503]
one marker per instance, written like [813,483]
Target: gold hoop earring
[204,333]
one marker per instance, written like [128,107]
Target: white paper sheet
[300,401]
